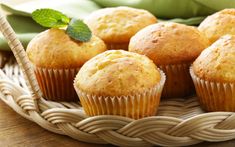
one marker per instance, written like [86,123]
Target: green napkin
[167,9]
[190,12]
[25,28]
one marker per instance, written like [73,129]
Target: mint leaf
[50,18]
[78,30]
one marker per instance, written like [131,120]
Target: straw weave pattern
[21,57]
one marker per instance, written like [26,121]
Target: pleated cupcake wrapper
[113,46]
[135,106]
[214,96]
[178,81]
[57,84]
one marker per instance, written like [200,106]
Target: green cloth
[190,12]
[169,9]
[25,27]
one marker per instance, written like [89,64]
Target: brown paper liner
[214,96]
[178,83]
[116,46]
[57,84]
[135,106]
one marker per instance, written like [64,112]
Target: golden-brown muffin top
[169,43]
[53,48]
[117,73]
[218,24]
[118,24]
[217,62]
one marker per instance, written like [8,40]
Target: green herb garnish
[50,18]
[78,30]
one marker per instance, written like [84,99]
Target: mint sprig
[50,18]
[78,30]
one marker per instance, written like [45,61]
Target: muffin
[218,24]
[115,26]
[118,82]
[172,47]
[57,58]
[213,74]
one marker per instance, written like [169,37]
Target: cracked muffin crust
[169,43]
[117,72]
[118,24]
[218,24]
[217,62]
[53,48]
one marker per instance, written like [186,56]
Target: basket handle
[22,58]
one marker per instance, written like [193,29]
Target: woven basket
[179,122]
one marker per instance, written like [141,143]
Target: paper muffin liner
[178,81]
[136,105]
[214,96]
[113,46]
[57,84]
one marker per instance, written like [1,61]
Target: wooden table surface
[16,131]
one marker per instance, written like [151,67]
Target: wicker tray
[179,121]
